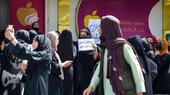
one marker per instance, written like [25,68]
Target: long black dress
[162,81]
[55,83]
[65,51]
[87,64]
[38,66]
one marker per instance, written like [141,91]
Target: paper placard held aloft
[93,26]
[85,44]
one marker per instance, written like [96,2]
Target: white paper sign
[93,26]
[85,44]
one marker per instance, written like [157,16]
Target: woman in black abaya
[65,51]
[87,60]
[56,75]
[38,68]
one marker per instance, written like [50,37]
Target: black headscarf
[22,36]
[65,46]
[44,43]
[148,49]
[87,31]
[113,41]
[136,42]
[147,46]
[32,34]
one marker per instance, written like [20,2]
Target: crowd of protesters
[38,63]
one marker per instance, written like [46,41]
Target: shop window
[166,17]
[63,15]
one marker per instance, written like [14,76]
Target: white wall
[155,20]
[51,15]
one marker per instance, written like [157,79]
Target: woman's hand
[139,93]
[66,63]
[9,33]
[2,46]
[88,91]
[95,51]
[94,46]
[23,67]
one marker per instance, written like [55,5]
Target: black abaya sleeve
[22,52]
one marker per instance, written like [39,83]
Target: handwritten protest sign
[94,25]
[85,44]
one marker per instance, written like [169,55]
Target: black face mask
[159,45]
[84,37]
[168,48]
[36,29]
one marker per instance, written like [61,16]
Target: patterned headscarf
[113,41]
[54,38]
